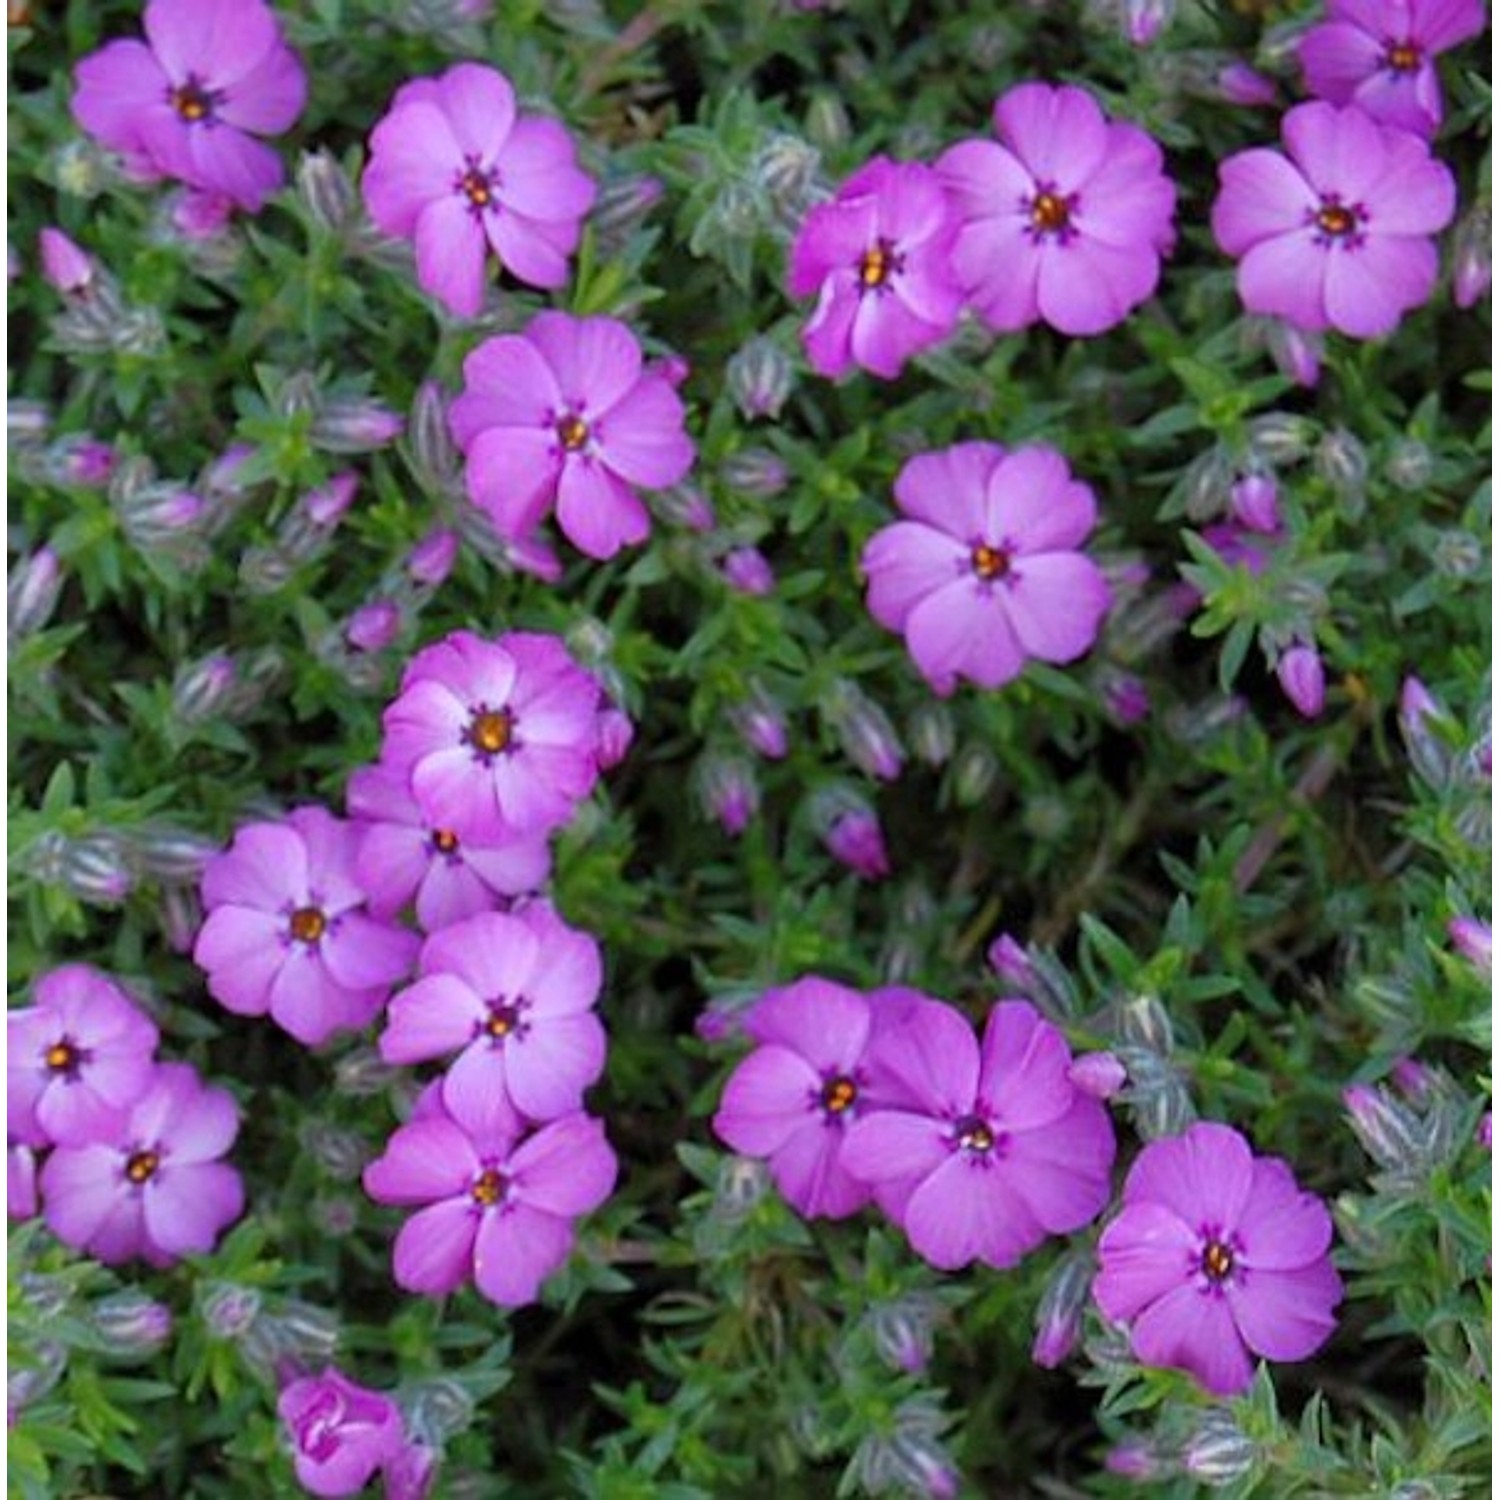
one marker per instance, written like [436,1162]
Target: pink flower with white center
[1336,233]
[1064,219]
[190,100]
[77,1060]
[457,170]
[513,995]
[496,739]
[986,573]
[341,1432]
[567,413]
[878,257]
[155,1187]
[492,1203]
[1380,55]
[401,856]
[289,931]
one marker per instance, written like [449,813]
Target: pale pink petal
[771,1094]
[308,1003]
[431,1018]
[598,513]
[566,1168]
[516,1250]
[481,108]
[1058,133]
[1033,504]
[905,563]
[1055,602]
[1283,278]
[550,1066]
[451,255]
[434,1250]
[423,1161]
[643,439]
[493,953]
[190,1206]
[1368,288]
[82,1187]
[241,951]
[1203,1176]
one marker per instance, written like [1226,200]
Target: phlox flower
[155,1186]
[1337,232]
[496,739]
[455,168]
[189,101]
[512,994]
[996,1147]
[288,930]
[877,256]
[985,572]
[1064,219]
[341,1432]
[1216,1255]
[402,857]
[492,1203]
[567,414]
[76,1060]
[1380,55]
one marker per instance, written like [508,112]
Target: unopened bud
[756,472]
[412,1473]
[96,869]
[1239,83]
[180,913]
[1341,459]
[326,191]
[728,791]
[684,505]
[1144,1021]
[1059,1314]
[28,1380]
[1219,1453]
[902,1332]
[742,1182]
[1456,553]
[786,167]
[1144,20]
[975,772]
[1101,1075]
[1279,438]
[131,1325]
[1410,465]
[932,734]
[1471,256]
[362,1073]
[66,267]
[1206,482]
[26,421]
[1126,699]
[746,569]
[373,626]
[865,732]
[1299,670]
[31,593]
[1474,941]
[761,722]
[1296,352]
[759,375]
[1133,1460]
[854,838]
[828,126]
[1253,500]
[354,424]
[204,688]
[434,455]
[228,1310]
[1388,1130]
[431,561]
[171,854]
[622,206]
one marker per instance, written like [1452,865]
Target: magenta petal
[306,1002]
[905,563]
[893,1145]
[933,1053]
[1061,1170]
[193,1122]
[1091,285]
[426,1160]
[516,1250]
[456,791]
[512,474]
[1145,1253]
[1193,1330]
[227,161]
[451,254]
[538,175]
[189,1207]
[431,1018]
[1281,1228]
[1283,278]
[596,360]
[512,868]
[480,106]
[824,1023]
[1418,194]
[1023,1071]
[362,953]
[1336,58]
[1059,133]
[434,1250]
[1003,269]
[965,1212]
[885,333]
[1368,289]
[1340,151]
[476,1095]
[528,249]
[942,630]
[769,1096]
[569,967]
[808,1173]
[826,335]
[1261,195]
[219,41]
[566,1168]
[268,99]
[1033,504]
[71,1113]
[413,160]
[242,952]
[643,439]
[597,512]
[553,1063]
[1203,1176]
[122,1236]
[507,383]
[81,1188]
[115,85]
[1286,1314]
[1056,604]
[264,866]
[392,861]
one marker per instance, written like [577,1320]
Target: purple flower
[491,1203]
[878,258]
[1379,55]
[567,414]
[402,856]
[986,571]
[1217,1254]
[795,1097]
[341,1432]
[155,1186]
[77,1060]
[513,996]
[496,739]
[1336,233]
[1065,220]
[455,169]
[288,931]
[997,1149]
[188,102]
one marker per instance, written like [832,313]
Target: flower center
[61,1057]
[489,1187]
[491,730]
[877,265]
[1336,220]
[572,432]
[974,1135]
[142,1166]
[444,840]
[308,924]
[838,1094]
[1403,57]
[990,562]
[192,101]
[476,186]
[503,1019]
[1049,213]
[1217,1260]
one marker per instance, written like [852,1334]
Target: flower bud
[1144,20]
[29,1380]
[96,869]
[684,505]
[431,561]
[1101,1075]
[354,424]
[854,838]
[180,913]
[65,266]
[616,734]
[1059,1314]
[26,421]
[865,732]
[742,1182]
[975,772]
[786,168]
[828,126]
[1471,256]
[1410,465]
[82,461]
[1009,959]
[1239,83]
[299,1336]
[31,593]
[1456,553]
[760,722]
[1219,1453]
[340,1153]
[756,472]
[1297,353]
[200,217]
[932,734]
[1484,1131]
[203,689]
[373,626]
[1474,941]
[1389,1132]
[325,506]
[1299,670]
[440,1410]
[131,1325]
[434,455]
[361,1074]
[1134,1459]
[326,191]
[746,569]
[1341,459]
[45,1296]
[1253,502]
[623,204]
[902,1332]
[227,1309]
[728,791]
[1126,699]
[1144,1021]
[1279,438]
[1205,482]
[759,375]
[169,853]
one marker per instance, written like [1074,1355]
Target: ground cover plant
[750,748]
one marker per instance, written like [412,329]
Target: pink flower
[288,930]
[491,1202]
[986,573]
[997,1148]
[401,856]
[513,996]
[1337,233]
[567,414]
[1217,1254]
[188,102]
[155,1186]
[1065,220]
[457,170]
[878,258]
[496,739]
[341,1432]
[77,1060]
[1379,55]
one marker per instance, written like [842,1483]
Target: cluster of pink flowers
[980,1147]
[135,1144]
[488,748]
[1063,220]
